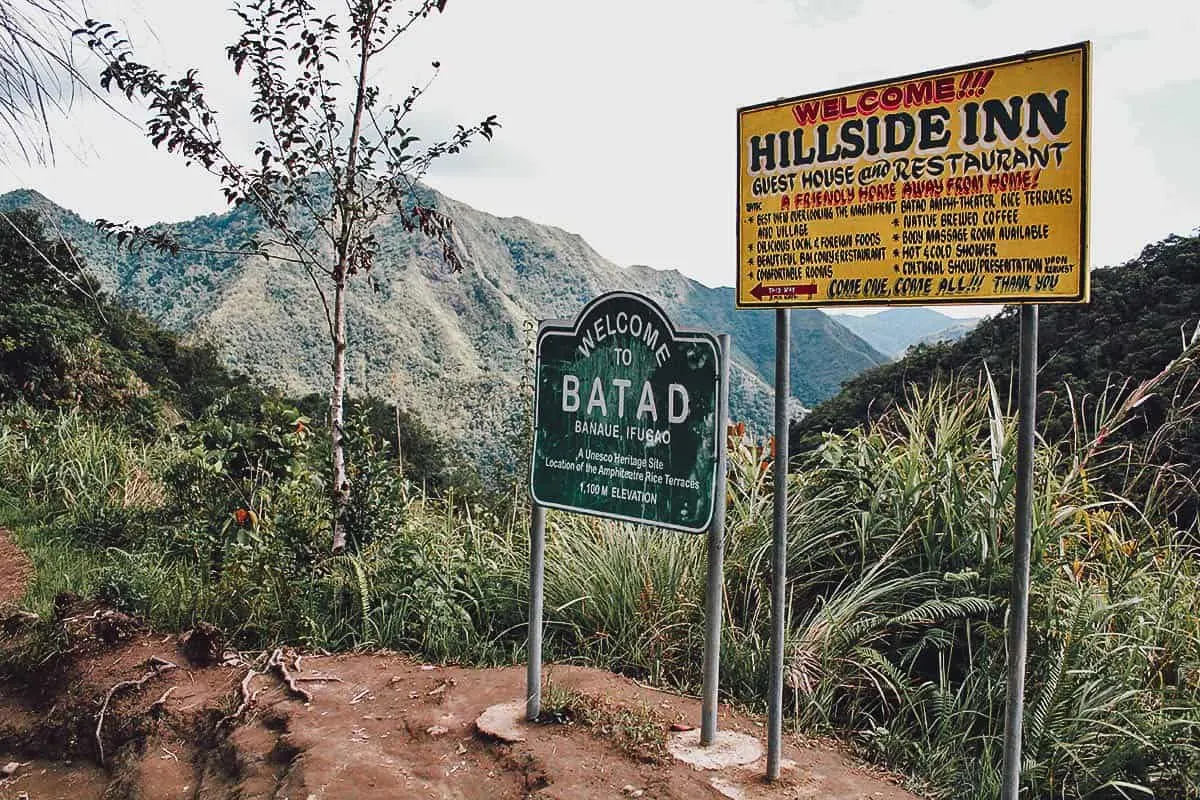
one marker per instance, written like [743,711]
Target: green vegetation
[636,731]
[1140,317]
[898,571]
[64,343]
[899,561]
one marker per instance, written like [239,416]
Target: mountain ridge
[892,331]
[452,347]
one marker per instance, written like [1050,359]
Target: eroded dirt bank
[103,709]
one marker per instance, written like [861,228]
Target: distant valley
[894,330]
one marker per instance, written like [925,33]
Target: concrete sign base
[504,721]
[729,749]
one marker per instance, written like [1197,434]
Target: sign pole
[779,559]
[713,606]
[1018,614]
[537,560]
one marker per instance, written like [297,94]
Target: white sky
[619,116]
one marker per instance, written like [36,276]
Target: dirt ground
[378,726]
[14,570]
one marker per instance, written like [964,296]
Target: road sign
[963,185]
[626,416]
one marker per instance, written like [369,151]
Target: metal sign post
[960,185]
[1018,612]
[779,550]
[630,420]
[713,606]
[537,562]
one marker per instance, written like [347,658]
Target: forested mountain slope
[450,347]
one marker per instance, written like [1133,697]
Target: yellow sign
[966,185]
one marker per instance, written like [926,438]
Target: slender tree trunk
[345,199]
[337,414]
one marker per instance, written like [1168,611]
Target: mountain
[896,329]
[949,334]
[453,348]
[63,344]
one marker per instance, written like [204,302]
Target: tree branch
[420,13]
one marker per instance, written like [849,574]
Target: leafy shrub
[63,343]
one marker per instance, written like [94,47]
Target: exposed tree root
[158,705]
[157,667]
[247,699]
[276,662]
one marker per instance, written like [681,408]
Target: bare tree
[332,161]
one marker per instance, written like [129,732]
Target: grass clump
[637,731]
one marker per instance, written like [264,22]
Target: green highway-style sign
[625,422]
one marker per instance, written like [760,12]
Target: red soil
[15,571]
[387,727]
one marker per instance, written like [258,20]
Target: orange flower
[300,426]
[241,516]
[741,429]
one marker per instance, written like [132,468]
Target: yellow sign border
[1084,48]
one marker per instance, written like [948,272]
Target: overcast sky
[619,116]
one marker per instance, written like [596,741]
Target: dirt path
[381,726]
[15,570]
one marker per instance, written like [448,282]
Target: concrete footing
[729,749]
[504,721]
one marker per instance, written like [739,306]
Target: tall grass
[79,486]
[899,563]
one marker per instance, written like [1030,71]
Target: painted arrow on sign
[761,292]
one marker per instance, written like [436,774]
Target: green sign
[625,423]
